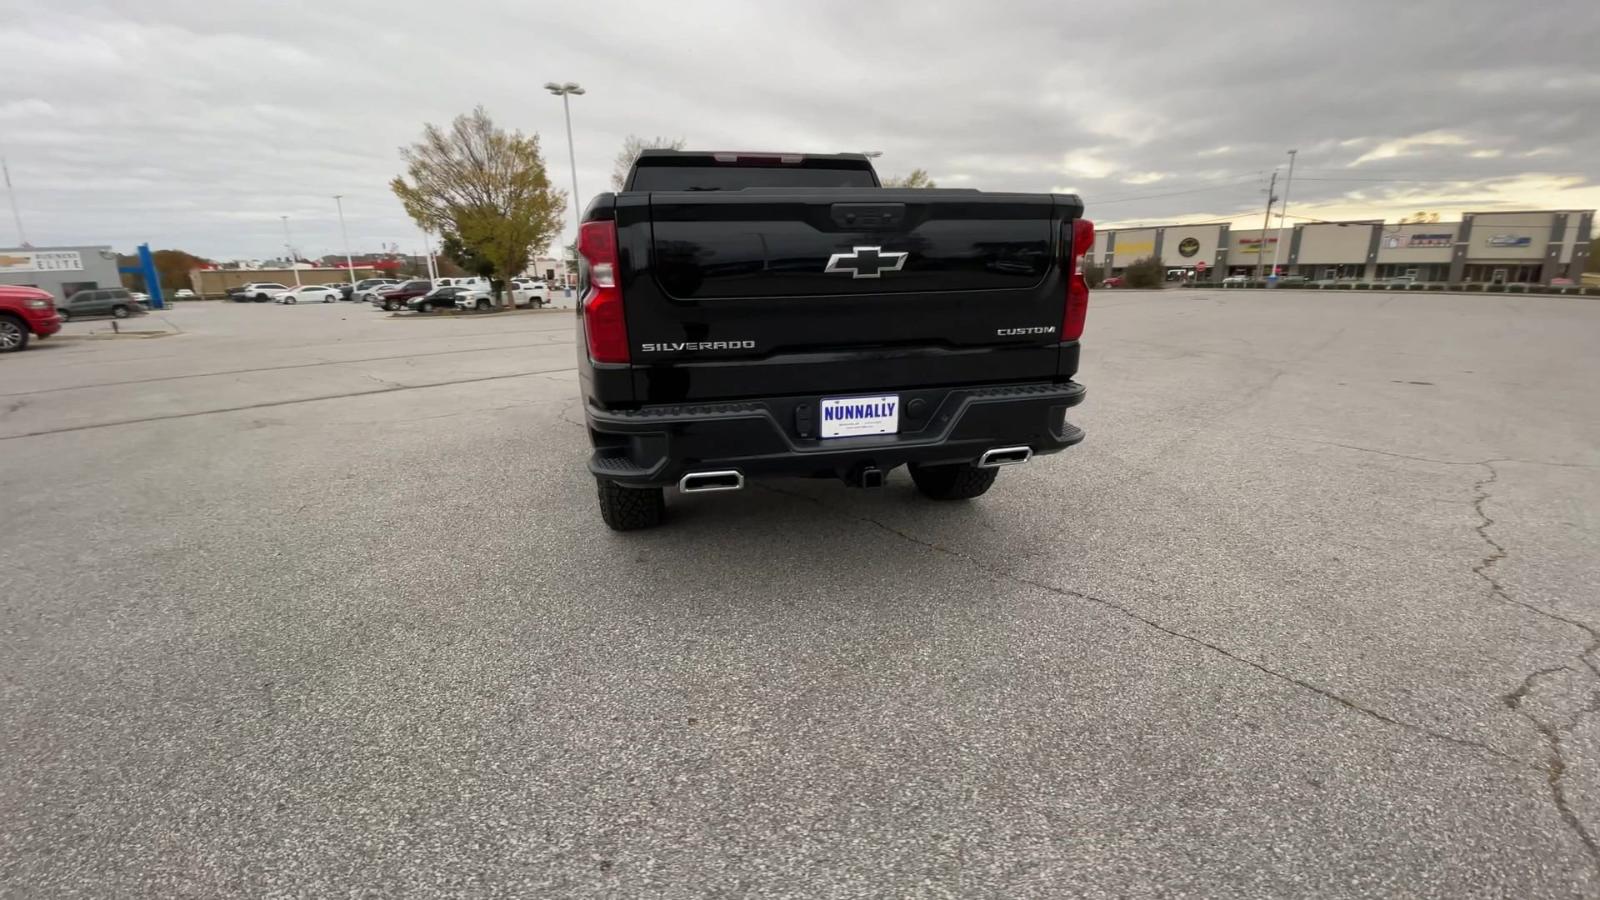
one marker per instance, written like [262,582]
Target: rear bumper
[657,445]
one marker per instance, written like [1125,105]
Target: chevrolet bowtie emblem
[865,262]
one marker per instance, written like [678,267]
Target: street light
[288,249]
[564,91]
[349,264]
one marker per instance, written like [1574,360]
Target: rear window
[733,177]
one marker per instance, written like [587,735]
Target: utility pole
[349,264]
[16,213]
[1266,221]
[288,248]
[1284,212]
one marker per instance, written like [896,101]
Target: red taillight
[602,302]
[1077,287]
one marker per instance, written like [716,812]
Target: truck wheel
[629,509]
[960,481]
[483,305]
[13,334]
[391,306]
[119,311]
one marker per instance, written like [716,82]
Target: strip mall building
[1535,247]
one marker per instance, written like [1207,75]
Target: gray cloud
[196,125]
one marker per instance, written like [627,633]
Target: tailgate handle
[869,215]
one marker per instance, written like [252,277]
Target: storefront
[63,271]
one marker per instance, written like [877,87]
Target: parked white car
[468,297]
[1236,279]
[183,294]
[529,292]
[310,293]
[261,291]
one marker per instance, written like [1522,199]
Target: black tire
[119,311]
[483,305]
[391,306]
[960,481]
[13,334]
[262,298]
[65,314]
[630,509]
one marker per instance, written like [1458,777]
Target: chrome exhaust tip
[706,482]
[1004,456]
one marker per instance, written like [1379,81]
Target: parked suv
[261,291]
[118,302]
[395,296]
[364,285]
[25,311]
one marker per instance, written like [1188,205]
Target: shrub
[1495,288]
[1516,289]
[1094,275]
[1145,273]
[1342,287]
[1363,286]
[1472,287]
[1433,287]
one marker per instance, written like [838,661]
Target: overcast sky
[195,124]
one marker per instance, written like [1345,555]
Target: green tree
[466,257]
[1145,273]
[483,185]
[917,179]
[1093,274]
[632,146]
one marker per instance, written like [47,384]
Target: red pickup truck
[25,311]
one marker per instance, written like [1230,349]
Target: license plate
[856,416]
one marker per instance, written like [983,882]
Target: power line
[1235,183]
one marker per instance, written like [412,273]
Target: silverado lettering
[926,367]
[698,345]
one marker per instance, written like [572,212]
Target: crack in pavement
[1555,760]
[1129,613]
[271,403]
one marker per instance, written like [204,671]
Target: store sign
[1253,245]
[1431,240]
[1188,246]
[16,261]
[1510,240]
[1126,249]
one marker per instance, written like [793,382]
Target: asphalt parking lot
[316,602]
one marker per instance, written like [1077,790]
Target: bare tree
[917,179]
[632,146]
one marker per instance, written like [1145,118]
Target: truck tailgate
[746,293]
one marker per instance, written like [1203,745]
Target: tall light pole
[288,249]
[1283,213]
[349,264]
[16,213]
[1266,222]
[564,91]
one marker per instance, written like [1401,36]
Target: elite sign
[40,261]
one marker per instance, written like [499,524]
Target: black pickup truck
[747,315]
